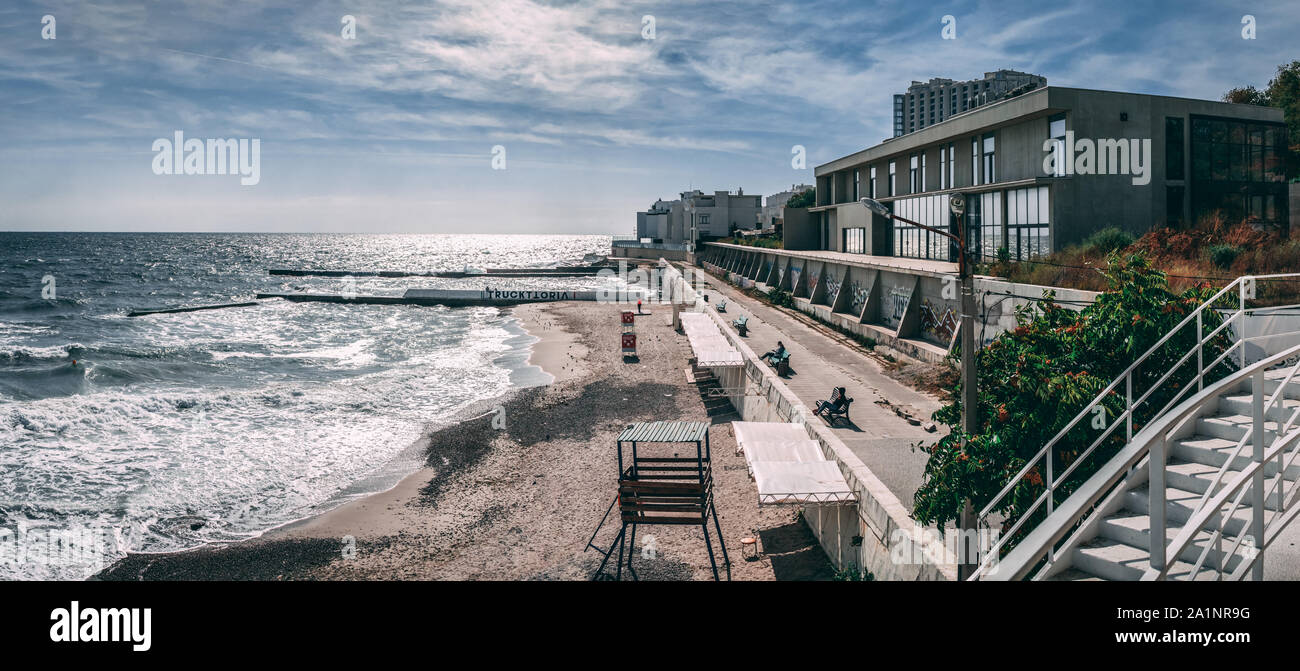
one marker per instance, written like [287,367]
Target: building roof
[665,432]
[992,115]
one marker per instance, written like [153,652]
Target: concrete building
[926,104]
[661,223]
[774,209]
[716,215]
[1128,160]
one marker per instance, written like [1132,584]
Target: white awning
[787,466]
[793,482]
[711,348]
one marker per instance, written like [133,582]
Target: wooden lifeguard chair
[659,488]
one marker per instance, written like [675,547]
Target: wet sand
[515,492]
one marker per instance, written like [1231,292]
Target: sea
[169,431]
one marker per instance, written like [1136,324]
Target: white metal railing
[1217,510]
[1190,379]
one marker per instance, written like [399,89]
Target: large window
[990,176]
[857,185]
[919,243]
[1028,234]
[984,225]
[912,176]
[872,182]
[943,167]
[855,240]
[952,163]
[892,173]
[975,161]
[1174,148]
[1238,169]
[923,187]
[1056,131]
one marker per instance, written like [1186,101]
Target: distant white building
[709,215]
[661,223]
[774,209]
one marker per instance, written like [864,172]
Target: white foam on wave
[235,461]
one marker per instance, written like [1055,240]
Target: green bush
[1223,255]
[1035,379]
[1110,239]
[780,298]
[803,199]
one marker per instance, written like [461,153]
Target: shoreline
[549,344]
[513,490]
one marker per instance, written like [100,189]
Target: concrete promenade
[822,359]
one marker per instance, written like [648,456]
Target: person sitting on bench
[838,406]
[776,353]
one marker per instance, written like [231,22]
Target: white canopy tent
[711,348]
[788,466]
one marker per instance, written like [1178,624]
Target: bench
[742,325]
[722,306]
[835,408]
[781,362]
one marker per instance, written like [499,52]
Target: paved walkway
[821,359]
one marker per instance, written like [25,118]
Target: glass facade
[1238,170]
[1028,234]
[984,225]
[855,240]
[918,243]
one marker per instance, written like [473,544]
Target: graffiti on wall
[939,322]
[898,299]
[813,278]
[794,277]
[832,289]
[767,271]
[857,294]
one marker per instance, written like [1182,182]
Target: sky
[527,116]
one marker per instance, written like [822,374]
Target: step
[1273,378]
[1179,504]
[1232,427]
[1196,477]
[1244,404]
[1112,560]
[1213,451]
[1133,528]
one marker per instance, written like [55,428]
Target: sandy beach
[514,492]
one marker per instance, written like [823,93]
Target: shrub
[1035,379]
[1223,255]
[780,298]
[1108,240]
[803,199]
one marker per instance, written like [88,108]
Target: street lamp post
[969,399]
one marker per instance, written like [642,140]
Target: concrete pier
[563,271]
[196,308]
[463,297]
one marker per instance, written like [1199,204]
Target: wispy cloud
[410,109]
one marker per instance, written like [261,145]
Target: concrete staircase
[1118,547]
